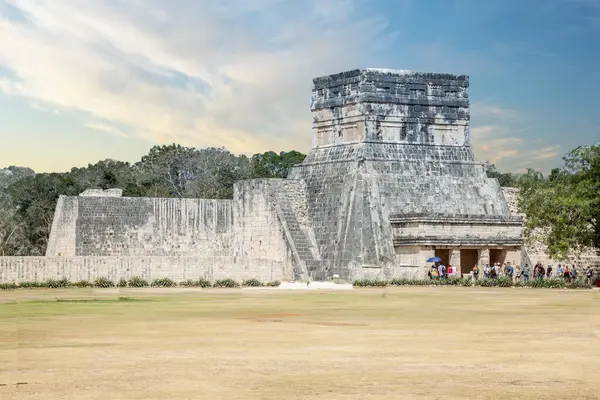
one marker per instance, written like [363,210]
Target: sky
[83,81]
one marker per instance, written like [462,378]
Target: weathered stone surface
[22,269]
[390,181]
[388,144]
[102,193]
[63,234]
[127,226]
[257,230]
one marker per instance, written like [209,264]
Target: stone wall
[258,231]
[271,221]
[62,240]
[456,230]
[339,206]
[129,226]
[22,269]
[390,106]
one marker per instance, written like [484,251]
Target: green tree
[563,210]
[11,233]
[105,174]
[26,217]
[34,199]
[504,179]
[273,165]
[177,171]
[27,201]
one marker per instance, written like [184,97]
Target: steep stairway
[290,204]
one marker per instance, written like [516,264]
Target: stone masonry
[392,178]
[390,181]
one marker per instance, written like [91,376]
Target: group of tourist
[515,273]
[439,271]
[568,273]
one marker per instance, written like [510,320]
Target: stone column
[425,254]
[484,258]
[514,256]
[455,258]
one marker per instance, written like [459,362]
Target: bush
[252,283]
[369,283]
[552,283]
[409,282]
[226,283]
[103,283]
[555,283]
[273,284]
[465,281]
[136,281]
[31,285]
[163,282]
[201,282]
[486,282]
[504,281]
[412,282]
[501,282]
[8,286]
[57,283]
[122,282]
[435,282]
[83,284]
[579,283]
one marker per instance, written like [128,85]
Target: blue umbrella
[434,259]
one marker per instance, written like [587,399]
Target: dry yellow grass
[404,343]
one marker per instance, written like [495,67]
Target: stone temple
[391,180]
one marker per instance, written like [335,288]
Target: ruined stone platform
[391,180]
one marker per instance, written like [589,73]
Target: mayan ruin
[299,200]
[391,180]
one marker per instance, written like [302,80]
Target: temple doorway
[497,256]
[468,259]
[444,254]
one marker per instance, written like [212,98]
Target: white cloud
[42,108]
[497,134]
[487,109]
[228,73]
[106,128]
[200,73]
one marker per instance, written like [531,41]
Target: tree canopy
[505,179]
[28,200]
[563,210]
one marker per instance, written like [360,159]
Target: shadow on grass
[119,299]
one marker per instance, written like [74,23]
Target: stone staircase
[290,204]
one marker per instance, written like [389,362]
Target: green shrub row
[135,282]
[553,283]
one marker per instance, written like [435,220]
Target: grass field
[394,343]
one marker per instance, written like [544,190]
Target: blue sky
[85,81]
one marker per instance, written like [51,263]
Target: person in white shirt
[451,271]
[442,271]
[498,270]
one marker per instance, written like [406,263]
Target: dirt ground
[400,343]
